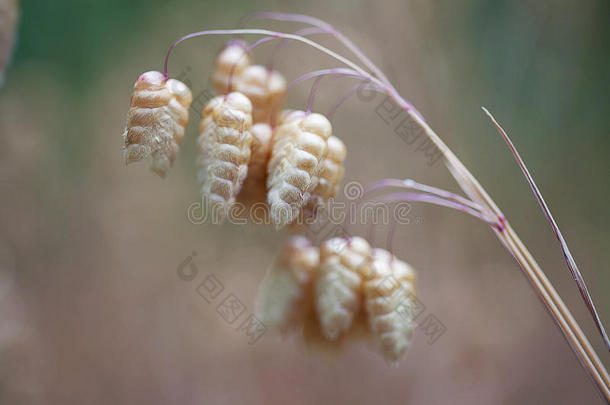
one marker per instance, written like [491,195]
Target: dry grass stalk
[299,148]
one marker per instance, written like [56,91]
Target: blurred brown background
[92,309]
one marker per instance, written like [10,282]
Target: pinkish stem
[303,33]
[312,93]
[381,87]
[408,183]
[331,112]
[309,42]
[422,197]
[246,51]
[271,15]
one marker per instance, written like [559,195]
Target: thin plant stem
[271,15]
[380,86]
[312,93]
[246,51]
[303,33]
[309,42]
[553,302]
[411,184]
[331,112]
[422,197]
[580,282]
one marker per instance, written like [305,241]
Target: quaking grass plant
[298,144]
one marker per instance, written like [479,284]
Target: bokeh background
[92,310]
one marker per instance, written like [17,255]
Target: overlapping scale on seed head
[330,176]
[254,190]
[265,88]
[389,301]
[338,295]
[224,152]
[299,148]
[344,291]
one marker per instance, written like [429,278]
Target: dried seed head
[285,296]
[156,121]
[342,292]
[254,190]
[287,116]
[224,151]
[330,176]
[265,88]
[299,147]
[390,301]
[338,294]
[231,59]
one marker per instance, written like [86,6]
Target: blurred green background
[89,247]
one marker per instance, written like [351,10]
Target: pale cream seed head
[150,80]
[232,59]
[316,124]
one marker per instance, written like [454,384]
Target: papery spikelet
[287,116]
[390,301]
[156,121]
[299,147]
[319,343]
[338,289]
[231,59]
[254,190]
[224,151]
[265,88]
[8,22]
[330,175]
[285,296]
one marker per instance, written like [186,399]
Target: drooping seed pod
[254,190]
[338,288]
[284,299]
[156,121]
[232,59]
[265,88]
[224,151]
[390,302]
[299,147]
[330,175]
[9,9]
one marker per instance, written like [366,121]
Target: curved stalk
[509,238]
[572,266]
[271,15]
[299,38]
